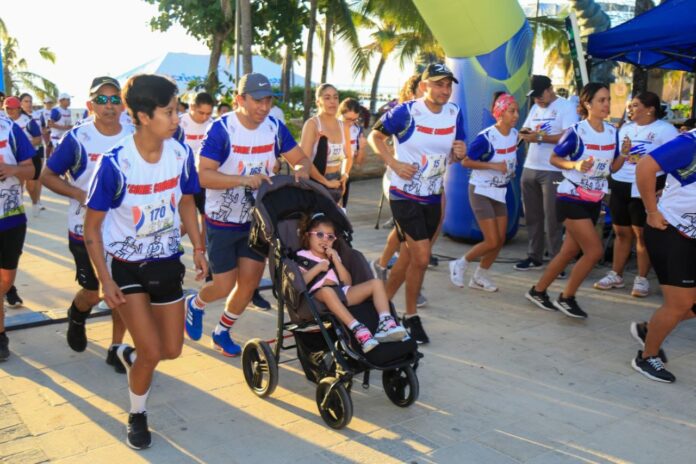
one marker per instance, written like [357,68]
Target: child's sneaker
[389,331]
[364,337]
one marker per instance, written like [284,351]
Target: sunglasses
[321,236]
[103,99]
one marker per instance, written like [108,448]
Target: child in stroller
[330,283]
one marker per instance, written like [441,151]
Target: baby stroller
[328,353]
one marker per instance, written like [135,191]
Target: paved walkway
[502,382]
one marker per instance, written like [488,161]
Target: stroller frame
[341,362]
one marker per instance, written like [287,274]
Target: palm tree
[307,101]
[245,27]
[15,74]
[394,31]
[339,21]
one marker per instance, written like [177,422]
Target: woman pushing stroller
[330,283]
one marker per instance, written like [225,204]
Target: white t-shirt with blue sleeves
[678,202]
[62,117]
[30,127]
[423,139]
[644,139]
[142,199]
[15,147]
[493,147]
[76,158]
[557,117]
[243,152]
[581,142]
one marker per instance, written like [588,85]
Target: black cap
[256,85]
[539,84]
[437,71]
[98,82]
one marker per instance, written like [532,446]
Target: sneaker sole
[567,313]
[137,447]
[422,304]
[393,337]
[478,287]
[639,294]
[220,350]
[260,308]
[634,333]
[527,268]
[537,304]
[651,377]
[599,287]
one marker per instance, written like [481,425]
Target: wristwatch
[539,137]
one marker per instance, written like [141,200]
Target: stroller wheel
[401,386]
[335,405]
[260,367]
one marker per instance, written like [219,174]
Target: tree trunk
[375,84]
[681,87]
[7,77]
[640,75]
[246,32]
[213,82]
[328,33]
[308,59]
[286,73]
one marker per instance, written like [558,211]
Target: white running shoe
[482,282]
[379,271]
[35,210]
[641,287]
[457,270]
[609,281]
[103,306]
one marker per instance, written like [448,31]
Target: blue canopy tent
[663,37]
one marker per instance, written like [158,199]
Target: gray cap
[256,85]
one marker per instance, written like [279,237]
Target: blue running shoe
[223,343]
[194,319]
[259,302]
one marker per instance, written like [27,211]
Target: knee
[171,352]
[149,356]
[420,260]
[594,253]
[91,298]
[623,234]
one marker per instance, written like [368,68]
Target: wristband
[199,250]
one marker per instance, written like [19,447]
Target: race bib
[434,166]
[154,218]
[511,165]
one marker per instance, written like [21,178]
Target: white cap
[64,96]
[48,99]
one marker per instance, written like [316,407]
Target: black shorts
[625,210]
[673,256]
[161,280]
[577,210]
[418,221]
[37,161]
[226,246]
[11,244]
[84,272]
[199,199]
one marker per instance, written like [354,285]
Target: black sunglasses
[103,99]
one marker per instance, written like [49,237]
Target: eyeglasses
[322,235]
[103,99]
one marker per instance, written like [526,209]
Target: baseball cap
[98,82]
[256,85]
[539,84]
[48,99]
[437,71]
[12,103]
[64,96]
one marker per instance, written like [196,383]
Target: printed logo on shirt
[147,189]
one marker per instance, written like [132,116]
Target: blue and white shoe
[259,302]
[194,319]
[223,343]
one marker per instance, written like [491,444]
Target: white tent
[185,67]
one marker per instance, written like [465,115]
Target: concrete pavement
[501,382]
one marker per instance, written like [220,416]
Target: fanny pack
[585,194]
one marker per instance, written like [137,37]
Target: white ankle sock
[138,402]
[384,316]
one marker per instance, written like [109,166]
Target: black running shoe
[652,368]
[138,434]
[12,298]
[541,299]
[77,336]
[124,352]
[639,330]
[4,347]
[415,329]
[527,264]
[112,360]
[569,307]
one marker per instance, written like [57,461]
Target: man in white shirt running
[548,119]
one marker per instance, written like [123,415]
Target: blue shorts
[225,247]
